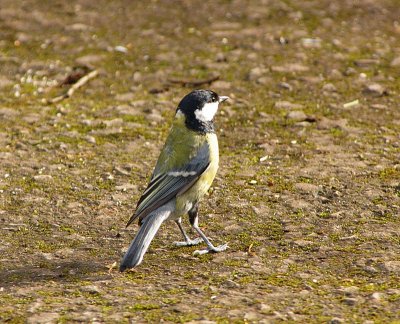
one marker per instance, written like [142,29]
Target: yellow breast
[200,188]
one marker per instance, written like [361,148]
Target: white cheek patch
[208,112]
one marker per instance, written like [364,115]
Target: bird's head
[199,108]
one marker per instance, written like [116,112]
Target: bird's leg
[194,221]
[188,241]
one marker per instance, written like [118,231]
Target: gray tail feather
[134,256]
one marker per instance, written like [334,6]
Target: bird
[184,172]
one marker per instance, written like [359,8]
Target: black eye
[214,99]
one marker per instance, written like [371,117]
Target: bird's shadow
[54,270]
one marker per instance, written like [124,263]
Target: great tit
[184,172]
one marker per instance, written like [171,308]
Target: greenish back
[180,147]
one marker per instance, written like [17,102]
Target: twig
[81,82]
[249,251]
[111,267]
[194,83]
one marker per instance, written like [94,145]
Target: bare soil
[308,192]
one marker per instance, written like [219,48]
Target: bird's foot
[189,242]
[214,249]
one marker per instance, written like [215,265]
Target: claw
[190,242]
[214,249]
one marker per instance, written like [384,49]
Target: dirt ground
[308,191]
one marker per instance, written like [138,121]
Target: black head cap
[192,105]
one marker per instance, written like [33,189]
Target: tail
[150,225]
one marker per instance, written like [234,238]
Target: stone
[121,49]
[265,80]
[220,57]
[122,170]
[222,85]
[43,318]
[90,60]
[117,122]
[230,284]
[290,68]
[137,76]
[336,320]
[350,71]
[303,124]
[296,115]
[4,82]
[392,266]
[251,316]
[307,187]
[6,155]
[376,296]
[287,105]
[8,113]
[299,204]
[91,289]
[31,118]
[350,301]
[107,131]
[154,116]
[285,85]
[78,27]
[329,87]
[350,290]
[366,62]
[379,106]
[128,96]
[375,90]
[303,243]
[268,148]
[395,62]
[256,73]
[90,139]
[311,42]
[265,308]
[126,187]
[64,253]
[43,178]
[325,123]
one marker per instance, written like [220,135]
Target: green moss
[9,316]
[389,173]
[282,280]
[394,298]
[67,229]
[337,132]
[324,214]
[143,307]
[244,129]
[44,246]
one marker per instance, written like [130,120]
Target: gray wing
[166,186]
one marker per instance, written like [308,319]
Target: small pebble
[296,115]
[329,87]
[375,90]
[92,289]
[42,178]
[395,62]
[285,85]
[350,301]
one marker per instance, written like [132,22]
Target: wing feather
[165,186]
